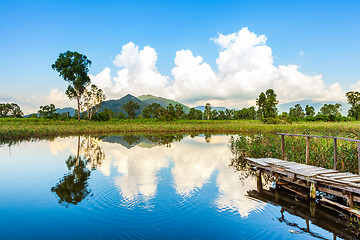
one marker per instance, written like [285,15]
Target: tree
[130,108]
[10,110]
[179,111]
[73,67]
[297,111]
[170,110]
[194,114]
[47,111]
[309,111]
[207,111]
[331,109]
[267,104]
[261,103]
[353,99]
[93,98]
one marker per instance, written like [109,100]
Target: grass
[25,128]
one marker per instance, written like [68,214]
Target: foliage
[353,98]
[267,104]
[93,98]
[130,108]
[207,111]
[331,109]
[48,111]
[10,110]
[194,114]
[73,67]
[309,111]
[297,111]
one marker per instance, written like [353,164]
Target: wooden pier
[334,182]
[306,180]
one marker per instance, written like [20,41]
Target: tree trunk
[78,104]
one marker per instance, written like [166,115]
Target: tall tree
[297,111]
[331,109]
[309,111]
[10,110]
[353,99]
[179,111]
[93,97]
[207,111]
[73,67]
[267,104]
[47,111]
[130,108]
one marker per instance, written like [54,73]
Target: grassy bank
[22,128]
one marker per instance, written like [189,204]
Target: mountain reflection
[136,163]
[73,187]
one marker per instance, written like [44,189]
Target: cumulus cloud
[245,67]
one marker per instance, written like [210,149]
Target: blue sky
[321,37]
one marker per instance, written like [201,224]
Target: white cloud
[356,86]
[245,67]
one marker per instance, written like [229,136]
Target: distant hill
[149,99]
[202,108]
[285,107]
[116,105]
[66,109]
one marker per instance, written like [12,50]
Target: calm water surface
[136,187]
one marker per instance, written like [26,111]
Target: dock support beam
[358,148]
[335,153]
[349,199]
[259,180]
[312,190]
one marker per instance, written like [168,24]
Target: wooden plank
[334,174]
[301,166]
[345,176]
[322,171]
[257,161]
[354,179]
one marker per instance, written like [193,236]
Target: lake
[147,187]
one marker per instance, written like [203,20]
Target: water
[146,187]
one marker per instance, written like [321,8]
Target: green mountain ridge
[164,102]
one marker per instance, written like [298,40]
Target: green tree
[207,111]
[261,103]
[73,67]
[10,110]
[171,111]
[309,111]
[93,98]
[130,107]
[297,111]
[353,99]
[47,111]
[331,109]
[267,104]
[194,114]
[179,111]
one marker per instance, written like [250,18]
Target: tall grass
[321,150]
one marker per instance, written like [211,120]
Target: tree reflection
[74,187]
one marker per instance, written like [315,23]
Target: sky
[221,52]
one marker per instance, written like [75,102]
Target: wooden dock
[310,178]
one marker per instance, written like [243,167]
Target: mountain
[285,107]
[202,108]
[116,105]
[149,99]
[66,109]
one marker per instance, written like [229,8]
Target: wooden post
[259,181]
[312,190]
[350,199]
[358,148]
[307,149]
[312,208]
[335,153]
[283,147]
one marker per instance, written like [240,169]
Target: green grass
[25,128]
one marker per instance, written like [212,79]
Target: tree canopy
[130,108]
[73,67]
